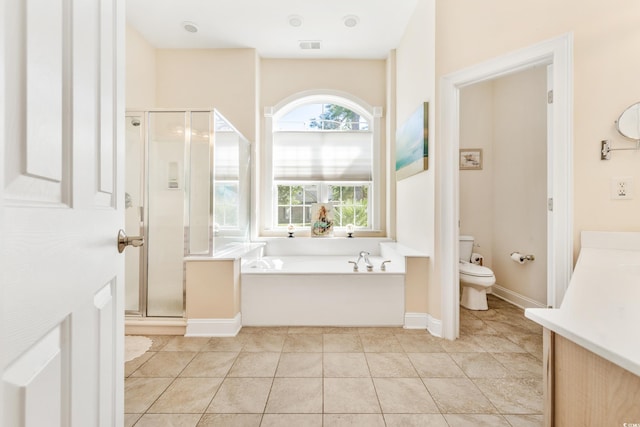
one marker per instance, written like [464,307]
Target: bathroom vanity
[592,342]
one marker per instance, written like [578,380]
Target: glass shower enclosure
[188,193]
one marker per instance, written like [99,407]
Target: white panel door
[61,200]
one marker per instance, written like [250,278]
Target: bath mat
[135,346]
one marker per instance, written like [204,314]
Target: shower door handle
[124,241]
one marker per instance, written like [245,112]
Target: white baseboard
[423,321]
[214,327]
[416,320]
[515,298]
[435,327]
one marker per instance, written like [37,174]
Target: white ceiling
[264,25]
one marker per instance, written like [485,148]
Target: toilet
[475,280]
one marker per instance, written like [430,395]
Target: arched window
[322,150]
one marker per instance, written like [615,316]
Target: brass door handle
[124,241]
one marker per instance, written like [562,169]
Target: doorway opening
[557,53]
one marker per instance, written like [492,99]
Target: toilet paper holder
[517,255]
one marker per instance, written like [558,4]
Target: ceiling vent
[309,44]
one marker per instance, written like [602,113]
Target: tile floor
[309,376]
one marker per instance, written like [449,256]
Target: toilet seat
[475,270]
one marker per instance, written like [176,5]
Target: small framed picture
[470,158]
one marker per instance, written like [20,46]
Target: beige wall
[415,196]
[140,75]
[281,78]
[606,69]
[504,205]
[224,79]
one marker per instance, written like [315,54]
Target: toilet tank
[466,247]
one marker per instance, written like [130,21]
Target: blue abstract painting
[412,143]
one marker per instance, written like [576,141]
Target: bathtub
[320,291]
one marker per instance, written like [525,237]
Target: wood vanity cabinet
[581,389]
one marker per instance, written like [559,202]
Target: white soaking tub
[321,291]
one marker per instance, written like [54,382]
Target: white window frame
[323,194]
[265,197]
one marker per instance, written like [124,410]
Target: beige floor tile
[186,344]
[345,365]
[479,365]
[342,330]
[390,365]
[263,342]
[214,364]
[522,365]
[464,344]
[336,343]
[140,393]
[307,330]
[131,419]
[423,343]
[458,396]
[168,420]
[353,420]
[507,326]
[435,365]
[498,344]
[415,420]
[525,420]
[404,396]
[233,344]
[300,365]
[532,343]
[301,343]
[241,396]
[159,341]
[295,396]
[165,364]
[377,330]
[381,343]
[476,327]
[513,395]
[186,396]
[476,420]
[259,364]
[131,366]
[290,420]
[350,396]
[262,330]
[230,420]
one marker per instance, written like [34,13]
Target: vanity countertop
[601,308]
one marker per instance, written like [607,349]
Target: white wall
[140,76]
[476,186]
[415,84]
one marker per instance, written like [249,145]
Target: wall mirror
[628,123]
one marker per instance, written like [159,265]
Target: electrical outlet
[622,188]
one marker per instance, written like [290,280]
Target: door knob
[124,241]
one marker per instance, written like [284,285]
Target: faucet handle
[355,265]
[382,266]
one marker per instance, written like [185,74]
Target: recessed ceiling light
[295,20]
[190,26]
[350,21]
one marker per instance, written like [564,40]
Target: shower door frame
[144,116]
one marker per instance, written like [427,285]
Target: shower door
[168,200]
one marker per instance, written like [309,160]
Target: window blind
[322,156]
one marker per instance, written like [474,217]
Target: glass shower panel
[231,185]
[134,202]
[166,206]
[200,185]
